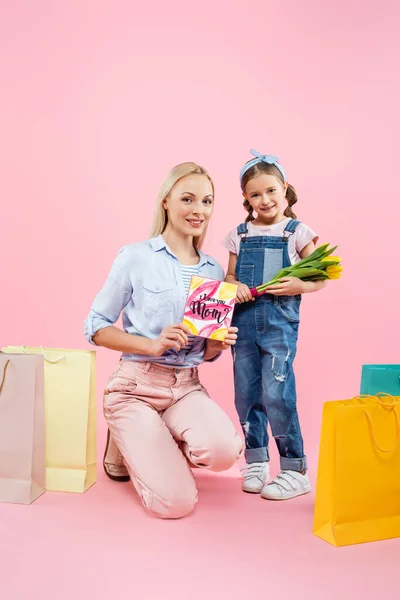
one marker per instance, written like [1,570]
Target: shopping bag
[380,378]
[358,482]
[22,429]
[70,401]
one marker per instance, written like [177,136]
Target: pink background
[100,99]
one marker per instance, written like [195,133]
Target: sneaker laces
[254,470]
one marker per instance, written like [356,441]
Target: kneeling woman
[161,419]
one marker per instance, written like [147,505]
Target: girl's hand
[243,294]
[215,346]
[289,286]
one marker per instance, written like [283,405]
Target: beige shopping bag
[70,400]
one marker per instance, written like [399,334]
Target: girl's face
[267,196]
[190,205]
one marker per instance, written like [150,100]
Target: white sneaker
[255,476]
[287,485]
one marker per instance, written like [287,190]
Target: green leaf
[307,272]
[311,266]
[319,264]
[318,254]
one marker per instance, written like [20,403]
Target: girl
[161,420]
[268,327]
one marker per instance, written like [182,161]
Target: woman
[161,420]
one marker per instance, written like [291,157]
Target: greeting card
[209,307]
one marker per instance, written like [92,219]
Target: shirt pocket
[158,297]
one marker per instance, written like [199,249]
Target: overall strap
[242,231]
[290,229]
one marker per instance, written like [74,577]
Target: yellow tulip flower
[335,259]
[334,271]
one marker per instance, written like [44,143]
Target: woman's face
[190,205]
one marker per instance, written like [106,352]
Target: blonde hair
[160,219]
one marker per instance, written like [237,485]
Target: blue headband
[267,158]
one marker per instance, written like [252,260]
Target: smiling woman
[161,419]
[187,184]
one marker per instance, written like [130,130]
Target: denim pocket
[273,262]
[246,275]
[289,307]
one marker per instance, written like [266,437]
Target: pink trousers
[162,420]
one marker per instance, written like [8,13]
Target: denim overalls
[265,389]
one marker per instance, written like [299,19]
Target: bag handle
[4,375]
[390,406]
[49,360]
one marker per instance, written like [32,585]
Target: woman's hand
[289,286]
[214,347]
[230,339]
[243,294]
[172,336]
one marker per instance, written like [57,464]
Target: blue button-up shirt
[145,284]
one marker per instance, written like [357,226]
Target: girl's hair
[265,168]
[160,219]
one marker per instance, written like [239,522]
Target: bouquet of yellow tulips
[321,264]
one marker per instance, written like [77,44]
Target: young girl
[265,390]
[161,419]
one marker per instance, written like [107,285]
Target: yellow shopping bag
[70,404]
[358,484]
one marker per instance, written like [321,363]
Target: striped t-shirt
[187,272]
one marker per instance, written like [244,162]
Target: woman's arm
[109,303]
[172,336]
[107,307]
[214,347]
[116,339]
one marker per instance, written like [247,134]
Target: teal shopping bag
[380,378]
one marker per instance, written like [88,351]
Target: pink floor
[103,546]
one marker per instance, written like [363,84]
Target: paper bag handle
[49,360]
[4,376]
[388,406]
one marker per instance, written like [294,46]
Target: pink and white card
[209,307]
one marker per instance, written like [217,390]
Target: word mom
[199,307]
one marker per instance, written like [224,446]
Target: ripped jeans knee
[280,366]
